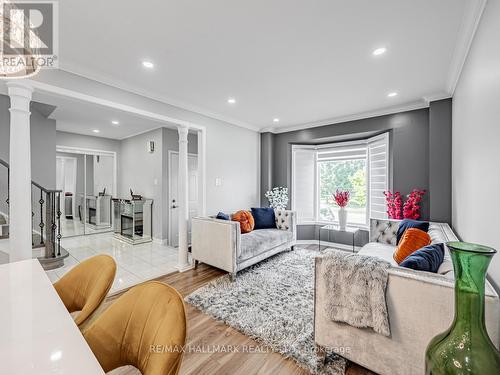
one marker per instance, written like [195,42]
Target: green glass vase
[465,348]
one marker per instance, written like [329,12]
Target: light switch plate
[218,181]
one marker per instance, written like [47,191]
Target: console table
[334,231]
[133,220]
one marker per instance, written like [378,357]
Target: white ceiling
[83,118]
[305,62]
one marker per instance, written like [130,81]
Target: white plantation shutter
[378,172]
[304,183]
[340,153]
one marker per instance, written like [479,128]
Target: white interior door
[173,221]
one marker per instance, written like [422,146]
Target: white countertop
[37,334]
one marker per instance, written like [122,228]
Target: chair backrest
[84,287]
[145,327]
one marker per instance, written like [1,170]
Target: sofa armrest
[420,305]
[287,220]
[216,242]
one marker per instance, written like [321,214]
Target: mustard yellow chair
[145,328]
[83,288]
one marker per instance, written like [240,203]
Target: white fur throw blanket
[355,285]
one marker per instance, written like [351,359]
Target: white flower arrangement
[278,197]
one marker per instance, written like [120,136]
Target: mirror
[87,182]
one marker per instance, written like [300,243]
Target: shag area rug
[273,303]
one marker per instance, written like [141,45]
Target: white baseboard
[326,243]
[159,241]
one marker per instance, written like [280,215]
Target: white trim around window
[305,189]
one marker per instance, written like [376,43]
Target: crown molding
[470,22]
[435,97]
[78,70]
[360,116]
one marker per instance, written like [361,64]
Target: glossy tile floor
[136,263]
[70,228]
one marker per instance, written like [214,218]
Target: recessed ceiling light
[276,120]
[379,51]
[231,100]
[115,122]
[96,130]
[392,94]
[148,64]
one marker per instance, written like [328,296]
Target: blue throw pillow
[428,258]
[407,224]
[264,218]
[222,216]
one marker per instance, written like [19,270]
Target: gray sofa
[220,243]
[420,305]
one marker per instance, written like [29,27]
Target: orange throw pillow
[246,220]
[412,240]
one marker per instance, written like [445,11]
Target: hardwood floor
[205,332]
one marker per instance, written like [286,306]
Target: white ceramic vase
[342,218]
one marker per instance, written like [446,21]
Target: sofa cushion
[385,252]
[428,258]
[245,219]
[407,224]
[222,216]
[379,250]
[412,240]
[261,240]
[264,217]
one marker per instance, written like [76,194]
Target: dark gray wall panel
[440,138]
[410,152]
[266,165]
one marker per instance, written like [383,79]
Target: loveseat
[220,243]
[419,304]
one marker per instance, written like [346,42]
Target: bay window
[361,167]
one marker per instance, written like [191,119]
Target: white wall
[476,140]
[233,153]
[141,171]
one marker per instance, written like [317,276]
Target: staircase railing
[48,206]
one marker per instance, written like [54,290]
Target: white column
[183,262]
[202,163]
[20,171]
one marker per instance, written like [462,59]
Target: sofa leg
[233,276]
[195,264]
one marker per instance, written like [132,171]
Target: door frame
[91,151]
[73,201]
[169,174]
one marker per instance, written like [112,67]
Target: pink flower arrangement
[409,210]
[394,204]
[342,197]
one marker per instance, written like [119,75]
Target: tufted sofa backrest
[385,231]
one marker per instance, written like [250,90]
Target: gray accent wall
[476,141]
[440,160]
[411,157]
